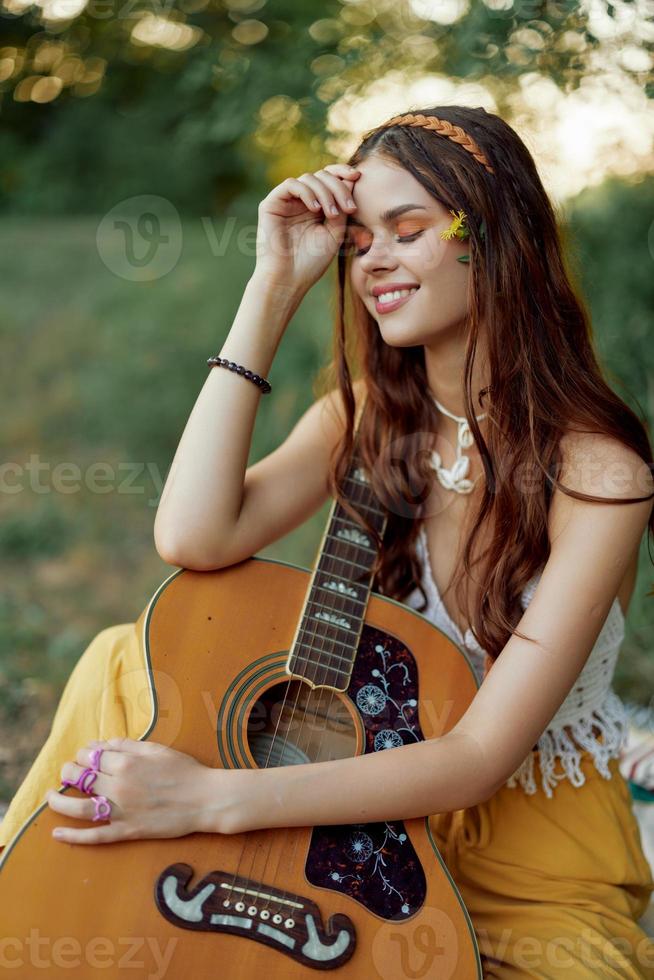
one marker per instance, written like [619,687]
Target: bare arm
[591,547]
[241,513]
[201,518]
[202,495]
[437,775]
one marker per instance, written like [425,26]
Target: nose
[378,256]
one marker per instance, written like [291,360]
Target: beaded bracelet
[264,385]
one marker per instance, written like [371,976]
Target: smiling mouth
[399,297]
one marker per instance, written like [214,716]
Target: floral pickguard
[375,863]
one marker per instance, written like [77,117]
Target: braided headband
[443,128]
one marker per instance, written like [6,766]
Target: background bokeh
[136,140]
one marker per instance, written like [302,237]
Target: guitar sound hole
[292,723]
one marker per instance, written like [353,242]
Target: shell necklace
[456,478]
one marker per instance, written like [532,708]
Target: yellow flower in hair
[457,227]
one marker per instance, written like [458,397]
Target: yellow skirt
[554,887]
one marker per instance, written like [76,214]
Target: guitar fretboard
[328,633]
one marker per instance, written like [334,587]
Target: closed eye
[350,246]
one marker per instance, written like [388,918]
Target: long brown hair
[544,374]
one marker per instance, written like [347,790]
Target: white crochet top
[590,703]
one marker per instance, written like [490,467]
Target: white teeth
[388,297]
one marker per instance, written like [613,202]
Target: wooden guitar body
[361,901]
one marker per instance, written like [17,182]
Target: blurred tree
[195,98]
[614,234]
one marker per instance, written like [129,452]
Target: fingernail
[57,832]
[333,209]
[350,203]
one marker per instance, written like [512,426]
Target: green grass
[97,369]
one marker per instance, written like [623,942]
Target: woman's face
[405,249]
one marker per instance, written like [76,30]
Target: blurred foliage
[613,232]
[101,371]
[613,228]
[205,100]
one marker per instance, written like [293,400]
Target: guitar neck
[329,628]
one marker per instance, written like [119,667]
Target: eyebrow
[390,214]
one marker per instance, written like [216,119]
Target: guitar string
[319,682]
[339,558]
[324,638]
[321,692]
[316,754]
[323,729]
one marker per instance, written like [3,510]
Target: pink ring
[100,803]
[95,758]
[85,780]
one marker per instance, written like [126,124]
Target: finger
[105,834]
[344,170]
[136,745]
[320,194]
[329,191]
[131,745]
[294,188]
[342,190]
[72,771]
[84,758]
[71,806]
[347,175]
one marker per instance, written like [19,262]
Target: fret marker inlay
[327,639]
[332,618]
[341,587]
[352,534]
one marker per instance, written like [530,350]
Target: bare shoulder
[601,466]
[331,408]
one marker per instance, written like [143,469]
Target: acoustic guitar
[264,663]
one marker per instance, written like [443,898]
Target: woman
[522,491]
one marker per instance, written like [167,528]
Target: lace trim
[611,720]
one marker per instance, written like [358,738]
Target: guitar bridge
[221,902]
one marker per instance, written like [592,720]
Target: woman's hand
[154,791]
[297,234]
